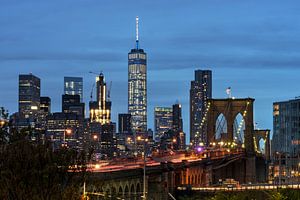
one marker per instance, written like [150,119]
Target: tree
[32,170]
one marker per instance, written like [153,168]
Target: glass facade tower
[201,90]
[137,87]
[74,86]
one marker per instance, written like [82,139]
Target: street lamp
[139,138]
[68,132]
[95,137]
[2,123]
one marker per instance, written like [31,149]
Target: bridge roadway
[124,178]
[125,165]
[241,188]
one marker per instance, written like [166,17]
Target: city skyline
[262,69]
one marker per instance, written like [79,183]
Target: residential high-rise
[163,121]
[29,95]
[285,145]
[124,123]
[201,90]
[137,86]
[100,111]
[74,86]
[286,127]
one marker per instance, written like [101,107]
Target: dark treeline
[32,170]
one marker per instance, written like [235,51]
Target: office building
[72,104]
[108,141]
[29,96]
[74,86]
[177,117]
[200,92]
[137,86]
[45,110]
[45,104]
[163,121]
[179,141]
[65,129]
[124,124]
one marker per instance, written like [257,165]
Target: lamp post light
[139,138]
[68,132]
[2,123]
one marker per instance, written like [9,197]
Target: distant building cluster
[131,136]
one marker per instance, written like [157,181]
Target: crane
[108,90]
[95,72]
[92,91]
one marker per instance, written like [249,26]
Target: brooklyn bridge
[232,153]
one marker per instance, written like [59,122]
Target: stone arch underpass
[117,189]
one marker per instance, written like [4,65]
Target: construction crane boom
[109,90]
[92,91]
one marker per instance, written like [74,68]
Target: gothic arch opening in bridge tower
[261,146]
[239,129]
[221,127]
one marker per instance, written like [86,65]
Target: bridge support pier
[250,169]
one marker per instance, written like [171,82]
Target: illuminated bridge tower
[137,86]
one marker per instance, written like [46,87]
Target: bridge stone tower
[230,108]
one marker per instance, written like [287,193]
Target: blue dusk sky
[252,46]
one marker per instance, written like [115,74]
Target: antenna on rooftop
[137,32]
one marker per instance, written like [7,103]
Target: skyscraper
[286,127]
[285,145]
[177,118]
[163,121]
[201,90]
[29,95]
[124,123]
[137,86]
[178,127]
[100,111]
[74,86]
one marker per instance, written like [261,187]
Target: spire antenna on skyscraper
[137,31]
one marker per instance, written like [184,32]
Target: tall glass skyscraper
[201,90]
[137,86]
[74,86]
